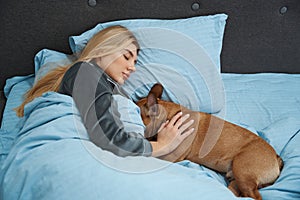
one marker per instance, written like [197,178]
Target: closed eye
[126,57]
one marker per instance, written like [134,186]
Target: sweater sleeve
[92,94]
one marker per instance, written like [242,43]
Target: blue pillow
[206,31]
[46,60]
[182,54]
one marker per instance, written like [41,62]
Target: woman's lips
[126,76]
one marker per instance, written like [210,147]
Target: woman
[106,62]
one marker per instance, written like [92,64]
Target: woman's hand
[171,134]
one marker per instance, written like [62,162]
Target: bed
[234,59]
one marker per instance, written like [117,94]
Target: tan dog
[248,161]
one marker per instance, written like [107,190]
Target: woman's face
[119,65]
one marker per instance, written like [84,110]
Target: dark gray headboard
[260,36]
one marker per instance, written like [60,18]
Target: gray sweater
[92,90]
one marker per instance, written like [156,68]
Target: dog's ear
[152,104]
[151,99]
[154,94]
[157,90]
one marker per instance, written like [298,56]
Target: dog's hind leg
[245,180]
[234,188]
[249,189]
[232,184]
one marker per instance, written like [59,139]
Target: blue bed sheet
[47,154]
[257,100]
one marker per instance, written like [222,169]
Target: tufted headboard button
[92,3]
[195,6]
[283,10]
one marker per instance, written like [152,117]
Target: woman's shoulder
[77,65]
[78,68]
[90,72]
[84,72]
[85,65]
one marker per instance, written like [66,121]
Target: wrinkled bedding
[47,154]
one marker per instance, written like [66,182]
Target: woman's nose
[131,67]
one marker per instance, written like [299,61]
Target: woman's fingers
[172,133]
[178,120]
[187,133]
[181,120]
[175,118]
[185,126]
[163,126]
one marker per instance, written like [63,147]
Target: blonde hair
[108,41]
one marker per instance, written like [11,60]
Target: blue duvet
[53,159]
